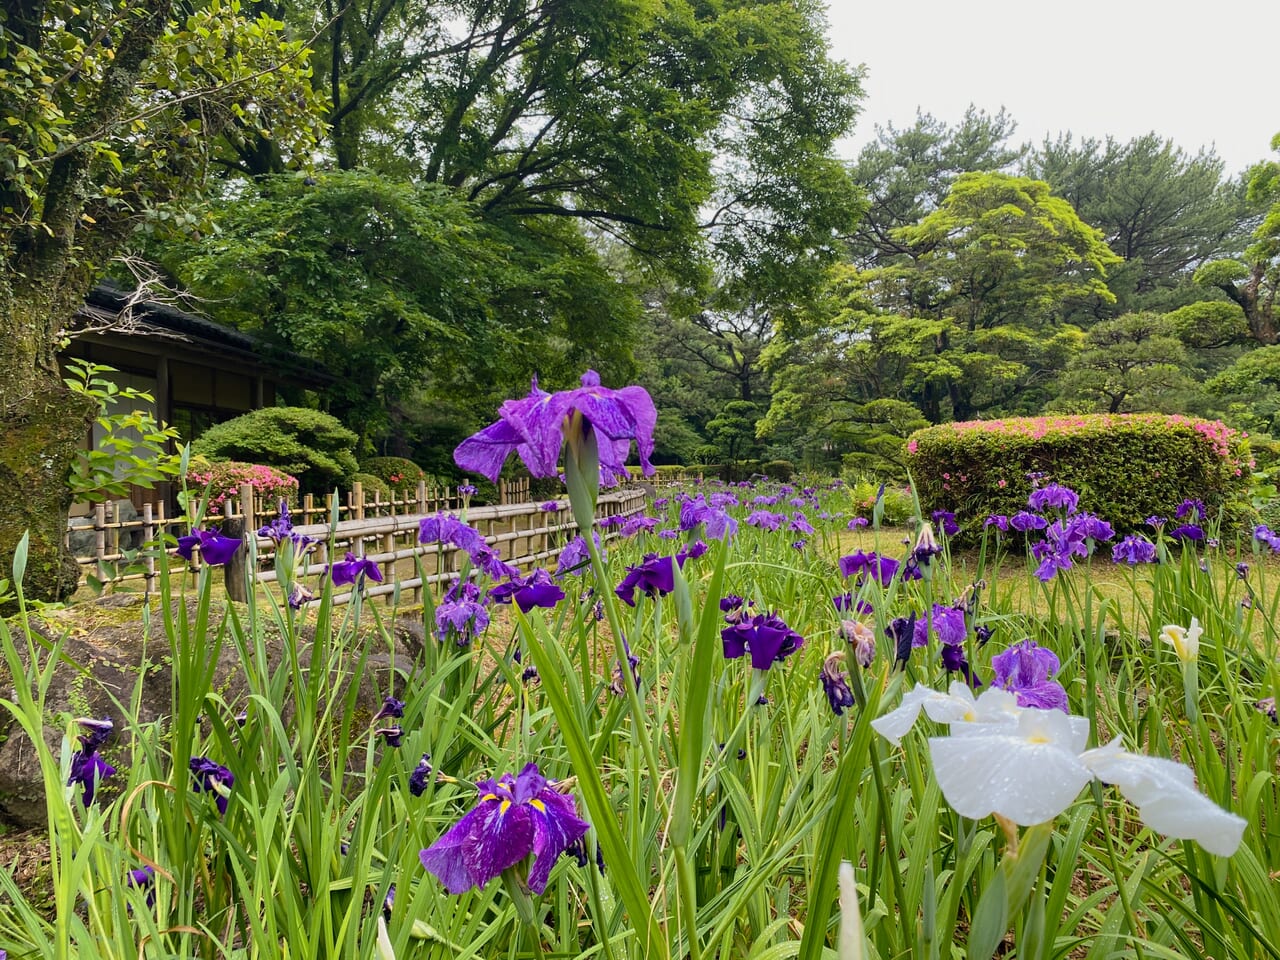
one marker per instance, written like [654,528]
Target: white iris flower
[1028,765]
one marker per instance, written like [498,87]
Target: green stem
[687,882]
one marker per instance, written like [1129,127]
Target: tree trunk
[42,426]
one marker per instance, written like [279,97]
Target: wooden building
[199,372]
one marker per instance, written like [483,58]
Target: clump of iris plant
[516,818]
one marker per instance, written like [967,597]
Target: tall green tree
[907,173]
[397,289]
[1162,210]
[110,112]
[1252,280]
[1135,362]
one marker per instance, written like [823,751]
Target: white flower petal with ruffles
[1029,765]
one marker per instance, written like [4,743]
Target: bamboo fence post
[149,546]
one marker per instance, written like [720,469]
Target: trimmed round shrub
[400,474]
[223,478]
[780,470]
[312,446]
[1126,467]
[372,484]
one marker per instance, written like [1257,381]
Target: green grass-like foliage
[313,446]
[721,818]
[1126,467]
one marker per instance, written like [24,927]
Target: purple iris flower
[392,709]
[1133,550]
[1155,521]
[766,520]
[1092,528]
[1188,531]
[999,521]
[1192,509]
[421,776]
[835,683]
[947,521]
[845,603]
[861,563]
[954,660]
[144,878]
[574,558]
[466,490]
[551,506]
[901,632]
[716,522]
[461,614]
[858,522]
[948,626]
[765,635]
[87,767]
[617,683]
[1023,522]
[212,778]
[1266,537]
[800,524]
[353,569]
[535,590]
[88,770]
[637,523]
[1027,669]
[515,817]
[215,549]
[764,501]
[1056,496]
[445,528]
[392,734]
[488,560]
[652,576]
[281,529]
[534,428]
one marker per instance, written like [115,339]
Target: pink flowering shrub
[223,480]
[1126,467]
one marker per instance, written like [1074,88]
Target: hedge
[398,473]
[1126,467]
[371,483]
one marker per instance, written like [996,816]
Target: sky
[1199,74]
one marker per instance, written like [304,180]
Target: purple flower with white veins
[535,428]
[516,816]
[1026,669]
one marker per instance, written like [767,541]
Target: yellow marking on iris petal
[1037,738]
[506,805]
[489,796]
[538,805]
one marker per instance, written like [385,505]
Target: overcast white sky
[1200,74]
